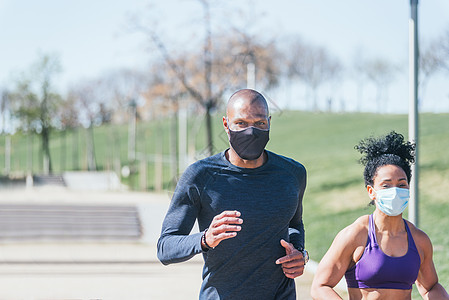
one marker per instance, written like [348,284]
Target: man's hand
[223,226]
[293,262]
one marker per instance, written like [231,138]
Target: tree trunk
[210,144]
[63,157]
[208,76]
[379,99]
[7,154]
[359,97]
[182,137]
[29,153]
[46,150]
[116,150]
[75,149]
[158,164]
[315,101]
[91,163]
[174,147]
[132,128]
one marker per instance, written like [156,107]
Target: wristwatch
[305,254]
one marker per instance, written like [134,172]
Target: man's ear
[225,124]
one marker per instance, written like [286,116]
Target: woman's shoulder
[360,225]
[421,239]
[355,233]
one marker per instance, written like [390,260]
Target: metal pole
[251,75]
[413,107]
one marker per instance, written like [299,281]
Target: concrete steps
[24,222]
[50,179]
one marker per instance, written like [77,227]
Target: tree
[443,50]
[5,113]
[431,61]
[163,98]
[69,122]
[235,50]
[313,65]
[68,114]
[381,72]
[359,75]
[35,102]
[203,95]
[4,108]
[205,73]
[89,100]
[122,87]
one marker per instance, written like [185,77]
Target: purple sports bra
[377,270]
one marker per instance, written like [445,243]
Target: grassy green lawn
[324,143]
[336,195]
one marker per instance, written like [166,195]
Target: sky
[92,37]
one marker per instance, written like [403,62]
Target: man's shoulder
[287,163]
[209,161]
[204,165]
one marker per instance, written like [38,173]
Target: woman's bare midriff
[379,294]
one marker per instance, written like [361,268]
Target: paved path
[86,270]
[100,272]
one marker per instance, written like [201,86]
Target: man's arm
[175,243]
[296,230]
[293,262]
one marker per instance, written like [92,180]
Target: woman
[381,255]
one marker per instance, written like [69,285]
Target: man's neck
[236,160]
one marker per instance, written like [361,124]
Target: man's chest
[273,197]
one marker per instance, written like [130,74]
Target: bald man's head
[246,108]
[244,99]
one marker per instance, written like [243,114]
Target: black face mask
[249,143]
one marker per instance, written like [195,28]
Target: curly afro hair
[386,150]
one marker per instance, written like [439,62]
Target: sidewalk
[107,271]
[93,271]
[101,271]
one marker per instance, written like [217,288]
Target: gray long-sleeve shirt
[270,201]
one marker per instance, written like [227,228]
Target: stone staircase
[50,179]
[30,222]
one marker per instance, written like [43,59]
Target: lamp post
[413,107]
[250,65]
[251,72]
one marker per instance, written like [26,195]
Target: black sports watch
[305,254]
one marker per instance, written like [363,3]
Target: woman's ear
[371,192]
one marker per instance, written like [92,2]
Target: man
[248,203]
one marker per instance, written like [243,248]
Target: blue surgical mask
[392,201]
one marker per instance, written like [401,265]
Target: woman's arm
[436,292]
[427,282]
[337,260]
